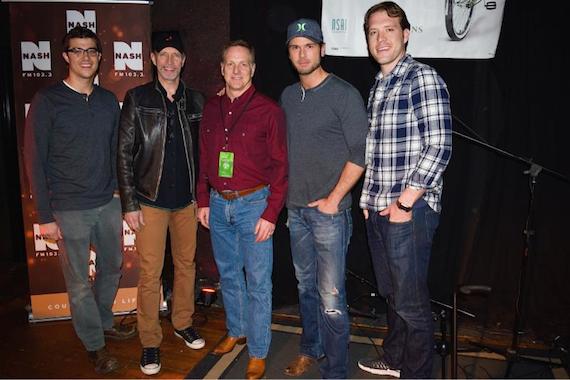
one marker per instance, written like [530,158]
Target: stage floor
[285,343]
[51,349]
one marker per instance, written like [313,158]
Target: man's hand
[134,219]
[50,231]
[395,215]
[204,216]
[263,230]
[365,213]
[325,206]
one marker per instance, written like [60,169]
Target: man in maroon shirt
[241,190]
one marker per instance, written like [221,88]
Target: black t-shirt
[175,190]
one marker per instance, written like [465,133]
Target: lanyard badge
[226,164]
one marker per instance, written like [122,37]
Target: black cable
[125,316]
[363,333]
[200,319]
[462,368]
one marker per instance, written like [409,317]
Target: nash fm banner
[37,29]
[439,28]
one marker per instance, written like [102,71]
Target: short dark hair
[241,43]
[80,32]
[392,9]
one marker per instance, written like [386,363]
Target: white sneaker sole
[152,370]
[381,372]
[195,345]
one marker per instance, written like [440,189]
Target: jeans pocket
[407,222]
[431,222]
[327,214]
[256,198]
[400,231]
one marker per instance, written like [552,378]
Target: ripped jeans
[319,243]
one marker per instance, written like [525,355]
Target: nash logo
[128,237]
[42,246]
[86,19]
[301,27]
[130,56]
[36,59]
[339,25]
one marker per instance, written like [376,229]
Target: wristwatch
[402,207]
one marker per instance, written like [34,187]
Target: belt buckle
[229,195]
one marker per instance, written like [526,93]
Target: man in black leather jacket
[157,161]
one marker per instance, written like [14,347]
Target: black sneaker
[103,361]
[150,360]
[378,367]
[191,337]
[120,332]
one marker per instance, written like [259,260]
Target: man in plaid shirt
[407,150]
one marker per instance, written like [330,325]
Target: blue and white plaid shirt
[409,140]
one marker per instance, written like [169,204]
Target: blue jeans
[319,243]
[400,255]
[91,306]
[245,267]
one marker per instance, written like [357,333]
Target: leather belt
[230,195]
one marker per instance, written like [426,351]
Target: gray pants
[91,304]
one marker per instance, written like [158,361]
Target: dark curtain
[514,102]
[11,226]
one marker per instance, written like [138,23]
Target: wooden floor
[52,350]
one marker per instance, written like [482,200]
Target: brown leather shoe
[228,344]
[103,361]
[299,365]
[120,332]
[255,368]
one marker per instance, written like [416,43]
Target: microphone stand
[534,168]
[372,293]
[512,353]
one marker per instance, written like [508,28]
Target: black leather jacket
[142,137]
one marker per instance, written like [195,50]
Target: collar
[77,91]
[177,95]
[399,70]
[240,100]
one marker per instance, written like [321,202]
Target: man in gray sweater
[326,130]
[70,154]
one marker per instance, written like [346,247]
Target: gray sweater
[326,127]
[70,149]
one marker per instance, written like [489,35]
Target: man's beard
[309,70]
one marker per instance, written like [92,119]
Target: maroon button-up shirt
[256,135]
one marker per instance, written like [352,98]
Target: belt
[230,195]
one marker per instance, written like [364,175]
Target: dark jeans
[400,255]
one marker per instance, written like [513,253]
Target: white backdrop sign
[439,28]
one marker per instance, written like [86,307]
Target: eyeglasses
[91,52]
